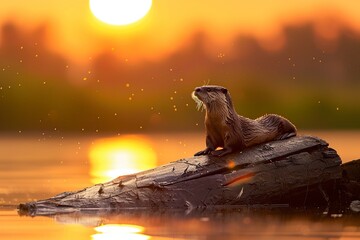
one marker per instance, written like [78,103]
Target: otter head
[210,96]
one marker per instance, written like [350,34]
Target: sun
[120,12]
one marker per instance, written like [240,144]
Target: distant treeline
[312,81]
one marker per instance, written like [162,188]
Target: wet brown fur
[230,131]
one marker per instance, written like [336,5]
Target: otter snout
[197,91]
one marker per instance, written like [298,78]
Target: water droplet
[221,55]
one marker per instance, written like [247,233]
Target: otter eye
[208,89]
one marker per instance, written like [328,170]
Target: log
[299,171]
[349,186]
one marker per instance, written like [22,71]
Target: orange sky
[74,31]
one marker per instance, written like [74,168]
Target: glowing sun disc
[120,12]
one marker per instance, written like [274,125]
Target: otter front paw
[203,152]
[220,153]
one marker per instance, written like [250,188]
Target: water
[235,224]
[36,168]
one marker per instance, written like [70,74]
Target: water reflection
[115,231]
[113,157]
[231,223]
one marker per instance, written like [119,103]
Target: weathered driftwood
[349,186]
[297,171]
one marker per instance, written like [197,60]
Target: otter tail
[286,135]
[283,127]
[286,129]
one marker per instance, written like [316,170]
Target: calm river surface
[38,167]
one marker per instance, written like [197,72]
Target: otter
[227,130]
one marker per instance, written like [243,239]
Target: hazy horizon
[306,70]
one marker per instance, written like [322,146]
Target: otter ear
[224,90]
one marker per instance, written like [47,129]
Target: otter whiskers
[199,103]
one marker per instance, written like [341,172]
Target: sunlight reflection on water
[114,231]
[113,157]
